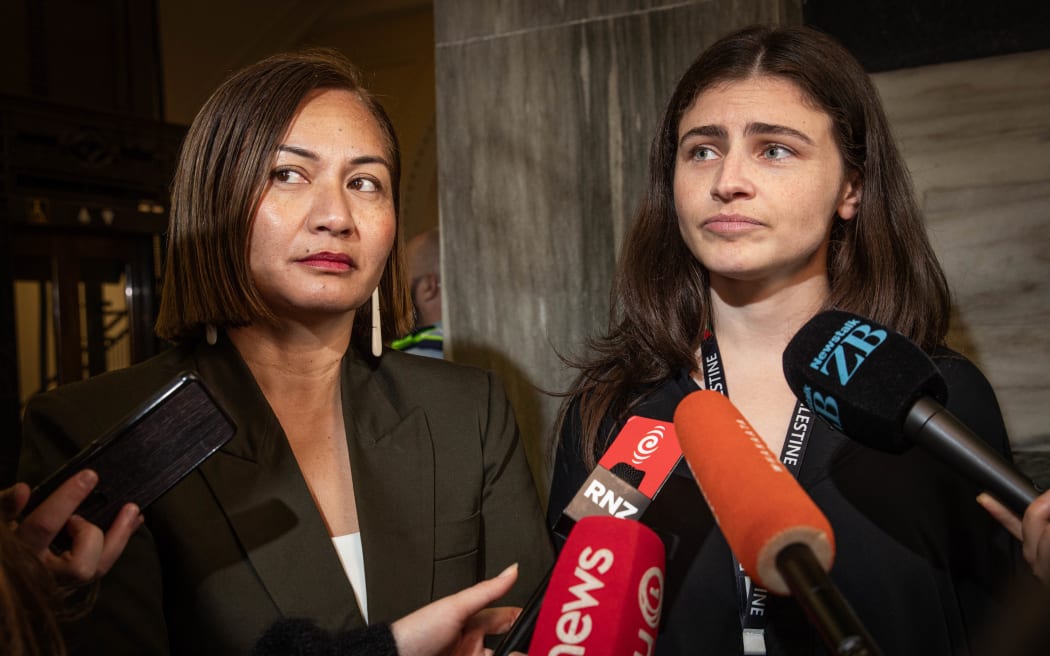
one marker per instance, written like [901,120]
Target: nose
[733,179]
[332,210]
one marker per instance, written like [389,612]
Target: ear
[428,287]
[852,190]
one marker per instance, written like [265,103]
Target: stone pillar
[545,113]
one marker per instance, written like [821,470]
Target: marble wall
[976,135]
[545,113]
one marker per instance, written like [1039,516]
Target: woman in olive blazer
[283,269]
[240,543]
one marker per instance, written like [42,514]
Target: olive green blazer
[444,498]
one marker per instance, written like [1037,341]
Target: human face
[325,223]
[758,180]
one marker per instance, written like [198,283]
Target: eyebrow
[311,155]
[768,128]
[718,132]
[713,131]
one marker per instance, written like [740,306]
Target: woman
[776,191]
[361,483]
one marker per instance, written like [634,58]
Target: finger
[1001,513]
[80,563]
[1039,510]
[128,520]
[44,523]
[493,620]
[12,500]
[1039,554]
[1033,527]
[1041,565]
[470,600]
[489,621]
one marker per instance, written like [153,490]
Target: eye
[364,184]
[776,151]
[288,176]
[702,153]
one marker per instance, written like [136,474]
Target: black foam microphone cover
[822,364]
[628,474]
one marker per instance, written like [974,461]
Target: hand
[456,625]
[1033,530]
[92,553]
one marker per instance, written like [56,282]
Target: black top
[920,562]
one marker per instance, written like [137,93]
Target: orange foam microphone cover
[757,503]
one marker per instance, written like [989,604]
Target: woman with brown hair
[361,483]
[776,191]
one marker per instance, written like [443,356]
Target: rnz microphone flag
[605,592]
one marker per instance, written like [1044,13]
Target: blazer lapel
[392,460]
[258,483]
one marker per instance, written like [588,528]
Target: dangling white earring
[377,332]
[211,335]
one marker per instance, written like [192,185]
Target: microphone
[782,540]
[627,478]
[605,592]
[879,388]
[629,475]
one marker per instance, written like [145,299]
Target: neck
[290,359]
[427,315]
[754,317]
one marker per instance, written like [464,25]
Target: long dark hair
[880,263]
[220,179]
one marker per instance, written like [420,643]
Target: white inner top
[353,559]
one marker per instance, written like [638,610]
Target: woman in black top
[776,191]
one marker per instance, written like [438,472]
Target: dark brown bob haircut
[880,263]
[223,170]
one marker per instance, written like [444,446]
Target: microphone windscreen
[861,377]
[628,474]
[757,503]
[605,591]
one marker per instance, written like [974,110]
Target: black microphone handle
[827,610]
[520,634]
[929,424]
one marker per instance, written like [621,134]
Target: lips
[329,261]
[728,223]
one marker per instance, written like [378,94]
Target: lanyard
[752,599]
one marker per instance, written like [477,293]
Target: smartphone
[146,453]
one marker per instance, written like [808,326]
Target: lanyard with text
[753,598]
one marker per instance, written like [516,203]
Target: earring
[211,335]
[377,332]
